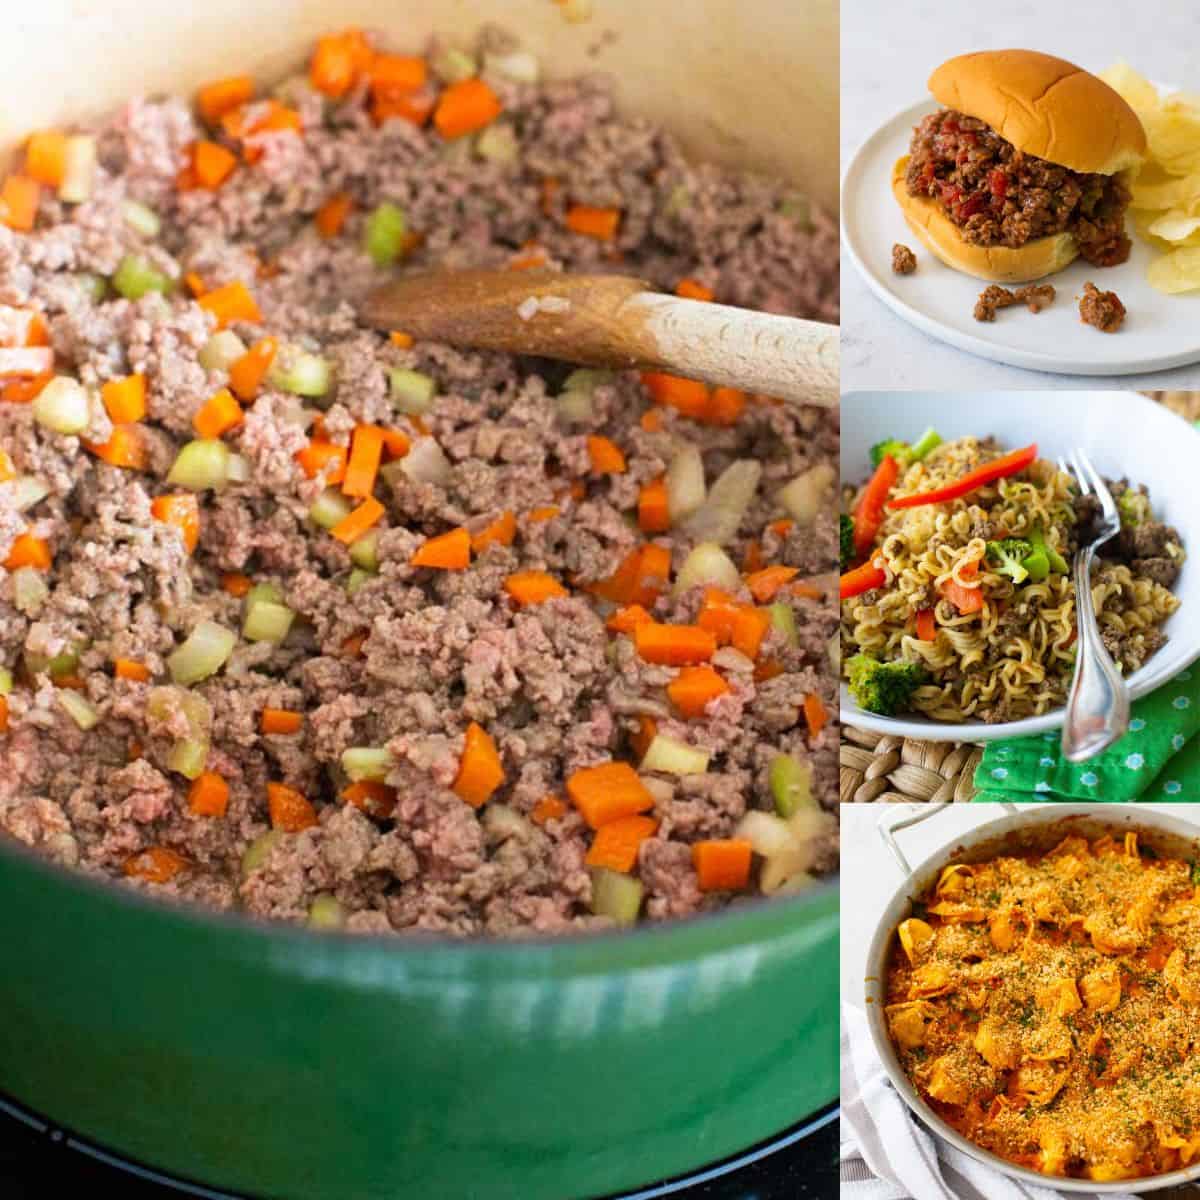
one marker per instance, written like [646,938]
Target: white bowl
[1124,434]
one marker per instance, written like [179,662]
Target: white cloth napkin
[887,1155]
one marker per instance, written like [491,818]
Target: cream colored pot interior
[745,82]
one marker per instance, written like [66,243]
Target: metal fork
[1098,707]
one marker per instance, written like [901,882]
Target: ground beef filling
[1035,296]
[904,261]
[1103,310]
[998,196]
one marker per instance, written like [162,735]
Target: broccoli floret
[897,449]
[929,440]
[1009,556]
[883,687]
[847,531]
[1134,507]
[1054,561]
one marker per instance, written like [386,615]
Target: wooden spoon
[614,321]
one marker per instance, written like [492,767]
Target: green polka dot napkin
[1158,759]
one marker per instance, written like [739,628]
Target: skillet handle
[888,828]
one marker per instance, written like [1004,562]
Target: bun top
[1044,106]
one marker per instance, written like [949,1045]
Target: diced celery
[367,762]
[300,373]
[29,590]
[202,463]
[141,219]
[6,681]
[673,757]
[81,710]
[187,757]
[412,391]
[329,508]
[707,563]
[326,912]
[784,620]
[452,65]
[808,493]
[356,579]
[134,277]
[256,854]
[686,488]
[64,663]
[221,351]
[267,622]
[79,169]
[364,552]
[203,653]
[197,710]
[28,491]
[383,234]
[62,406]
[798,208]
[263,593]
[616,896]
[791,784]
[498,144]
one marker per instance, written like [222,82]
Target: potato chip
[1175,193]
[1175,225]
[1174,140]
[1137,91]
[1176,272]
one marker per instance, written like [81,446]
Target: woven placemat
[880,766]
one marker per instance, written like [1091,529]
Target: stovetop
[38,1160]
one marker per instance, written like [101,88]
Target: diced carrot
[449,552]
[125,399]
[689,396]
[366,452]
[606,456]
[608,792]
[577,490]
[218,414]
[621,586]
[318,455]
[271,117]
[414,107]
[753,560]
[127,668]
[338,62]
[194,284]
[465,107]
[372,797]
[396,443]
[529,260]
[235,583]
[125,448]
[212,163]
[599,223]
[23,391]
[616,844]
[926,625]
[19,196]
[247,372]
[215,99]
[965,599]
[398,338]
[7,470]
[289,809]
[725,406]
[185,178]
[722,865]
[750,626]
[767,668]
[692,689]
[533,587]
[26,361]
[480,771]
[74,682]
[37,333]
[3,714]
[182,510]
[331,216]
[29,551]
[815,713]
[392,73]
[693,289]
[231,303]
[352,647]
[350,529]
[673,645]
[209,795]
[281,720]
[654,515]
[156,864]
[46,157]
[647,731]
[501,531]
[782,527]
[653,573]
[548,808]
[766,583]
[547,512]
[627,619]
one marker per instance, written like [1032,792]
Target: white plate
[1159,332]
[1123,433]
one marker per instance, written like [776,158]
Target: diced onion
[519,65]
[425,462]
[267,622]
[202,463]
[785,873]
[356,579]
[300,373]
[79,169]
[616,896]
[134,277]
[501,822]
[221,351]
[364,551]
[673,757]
[587,379]
[203,653]
[81,710]
[452,65]
[808,493]
[238,469]
[768,834]
[575,406]
[707,563]
[367,763]
[497,143]
[685,484]
[791,785]
[329,508]
[259,850]
[383,234]
[412,391]
[141,219]
[784,620]
[188,756]
[62,406]
[326,912]
[29,590]
[720,516]
[28,491]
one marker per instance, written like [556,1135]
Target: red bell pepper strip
[965,599]
[926,625]
[868,516]
[863,579]
[998,468]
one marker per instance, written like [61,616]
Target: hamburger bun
[1044,106]
[1000,264]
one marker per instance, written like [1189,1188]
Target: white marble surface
[888,51]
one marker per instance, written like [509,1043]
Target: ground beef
[993,297]
[999,196]
[1104,310]
[904,261]
[412,656]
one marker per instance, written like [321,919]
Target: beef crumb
[904,261]
[1035,296]
[1101,309]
